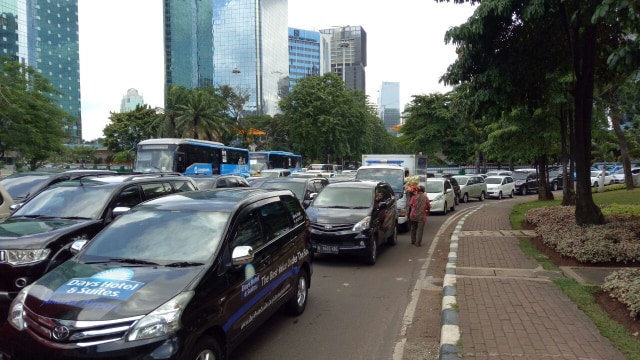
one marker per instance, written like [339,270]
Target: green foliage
[31,122]
[127,129]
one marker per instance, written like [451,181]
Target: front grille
[328,228]
[70,334]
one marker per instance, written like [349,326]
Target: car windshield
[296,187]
[434,186]
[462,180]
[19,187]
[493,180]
[344,197]
[395,177]
[270,174]
[519,175]
[149,234]
[68,199]
[596,173]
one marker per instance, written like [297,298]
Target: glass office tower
[188,43]
[389,105]
[250,51]
[304,54]
[44,35]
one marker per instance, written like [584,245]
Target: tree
[202,115]
[31,122]
[127,129]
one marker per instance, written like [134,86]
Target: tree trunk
[614,115]
[587,212]
[566,126]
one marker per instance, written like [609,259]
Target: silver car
[471,186]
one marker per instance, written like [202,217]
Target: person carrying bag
[419,208]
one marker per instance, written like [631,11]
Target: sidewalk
[499,304]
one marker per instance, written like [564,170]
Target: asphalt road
[387,311]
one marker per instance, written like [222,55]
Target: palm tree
[202,116]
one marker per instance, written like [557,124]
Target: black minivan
[353,217]
[185,276]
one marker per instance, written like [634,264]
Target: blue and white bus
[261,160]
[190,157]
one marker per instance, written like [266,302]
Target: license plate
[328,249]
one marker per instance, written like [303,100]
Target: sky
[121,47]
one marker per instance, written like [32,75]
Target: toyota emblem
[328,226]
[60,332]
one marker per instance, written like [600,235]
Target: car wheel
[511,195]
[453,208]
[298,302]
[456,200]
[481,198]
[523,190]
[611,182]
[500,195]
[595,184]
[393,239]
[207,348]
[465,198]
[554,186]
[444,209]
[373,252]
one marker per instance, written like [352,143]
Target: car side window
[183,185]
[248,232]
[295,210]
[222,183]
[155,190]
[275,219]
[129,197]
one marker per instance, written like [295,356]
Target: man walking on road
[419,207]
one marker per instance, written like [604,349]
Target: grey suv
[37,236]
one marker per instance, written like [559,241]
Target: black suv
[525,181]
[142,290]
[37,236]
[23,185]
[305,189]
[353,217]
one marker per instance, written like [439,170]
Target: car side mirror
[242,255]
[119,210]
[77,246]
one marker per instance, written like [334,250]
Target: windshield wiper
[184,264]
[132,261]
[76,218]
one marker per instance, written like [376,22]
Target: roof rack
[148,175]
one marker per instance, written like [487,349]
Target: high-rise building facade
[241,43]
[389,105]
[188,43]
[43,34]
[250,51]
[131,101]
[348,46]
[304,54]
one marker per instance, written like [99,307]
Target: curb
[450,331]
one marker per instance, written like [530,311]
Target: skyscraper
[131,101]
[304,54]
[240,43]
[44,35]
[389,105]
[349,54]
[250,51]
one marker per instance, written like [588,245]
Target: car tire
[456,200]
[207,348]
[453,207]
[512,193]
[298,302]
[523,190]
[444,209]
[482,196]
[393,239]
[500,195]
[465,198]
[611,182]
[373,252]
[595,184]
[554,186]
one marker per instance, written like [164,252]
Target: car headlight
[161,321]
[16,310]
[23,257]
[362,224]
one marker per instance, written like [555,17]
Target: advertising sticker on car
[110,284]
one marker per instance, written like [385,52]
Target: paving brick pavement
[499,304]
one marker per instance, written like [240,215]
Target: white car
[597,179]
[500,186]
[618,176]
[471,186]
[440,194]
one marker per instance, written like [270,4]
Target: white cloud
[121,47]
